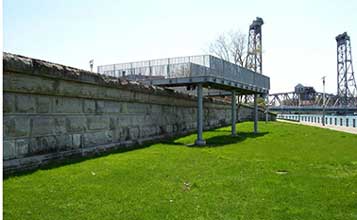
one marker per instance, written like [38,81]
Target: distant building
[306,94]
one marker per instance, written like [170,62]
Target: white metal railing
[177,67]
[336,120]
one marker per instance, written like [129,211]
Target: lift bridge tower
[346,83]
[254,59]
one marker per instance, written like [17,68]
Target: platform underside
[209,82]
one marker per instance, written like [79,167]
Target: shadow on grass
[80,158]
[215,141]
[77,159]
[221,140]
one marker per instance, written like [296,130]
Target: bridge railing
[335,120]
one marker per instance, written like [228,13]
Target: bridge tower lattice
[255,59]
[346,83]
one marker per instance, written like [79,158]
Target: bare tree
[230,46]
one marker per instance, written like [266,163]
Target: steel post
[234,113]
[267,108]
[323,101]
[255,114]
[199,140]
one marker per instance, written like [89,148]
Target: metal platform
[207,70]
[196,72]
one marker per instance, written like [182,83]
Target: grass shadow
[215,141]
[220,140]
[52,164]
[77,159]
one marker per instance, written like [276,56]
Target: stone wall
[246,113]
[52,112]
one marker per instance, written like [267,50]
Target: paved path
[332,127]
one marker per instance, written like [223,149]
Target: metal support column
[267,108]
[323,102]
[234,113]
[255,114]
[199,140]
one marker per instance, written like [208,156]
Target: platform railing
[193,66]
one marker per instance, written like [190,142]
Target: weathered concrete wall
[53,112]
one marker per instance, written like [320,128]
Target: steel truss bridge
[313,102]
[306,99]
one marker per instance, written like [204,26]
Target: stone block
[22,147]
[76,123]
[137,108]
[40,145]
[156,109]
[133,133]
[17,63]
[9,149]
[125,120]
[67,88]
[71,88]
[90,91]
[99,106]
[124,107]
[9,126]
[123,95]
[64,142]
[76,139]
[97,138]
[60,125]
[42,125]
[145,132]
[116,134]
[43,104]
[89,106]
[148,131]
[139,120]
[9,103]
[25,103]
[27,83]
[67,105]
[120,134]
[16,126]
[98,122]
[115,122]
[150,119]
[143,97]
[112,107]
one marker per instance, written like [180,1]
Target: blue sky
[298,36]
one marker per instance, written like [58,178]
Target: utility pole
[91,63]
[299,104]
[323,101]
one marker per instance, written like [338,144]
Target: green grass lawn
[287,171]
